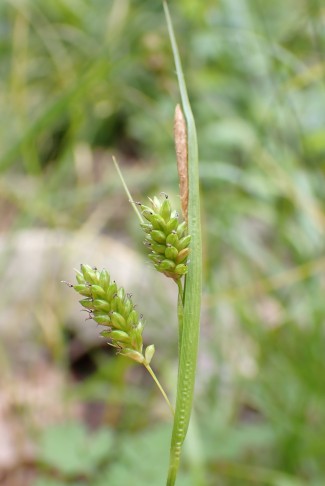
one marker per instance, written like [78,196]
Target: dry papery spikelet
[180,137]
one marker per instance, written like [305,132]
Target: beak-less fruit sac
[166,237]
[110,306]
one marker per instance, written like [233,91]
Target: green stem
[180,314]
[193,285]
[148,367]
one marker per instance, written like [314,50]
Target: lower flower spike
[110,306]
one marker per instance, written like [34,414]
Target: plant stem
[148,367]
[192,295]
[180,314]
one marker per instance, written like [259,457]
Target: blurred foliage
[73,452]
[83,79]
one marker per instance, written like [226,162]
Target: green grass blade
[192,295]
[118,170]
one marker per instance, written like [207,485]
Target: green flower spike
[166,237]
[111,307]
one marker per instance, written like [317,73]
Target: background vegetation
[82,80]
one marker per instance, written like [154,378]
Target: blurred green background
[83,80]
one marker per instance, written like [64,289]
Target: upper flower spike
[166,237]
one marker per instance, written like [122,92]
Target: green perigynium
[110,306]
[166,237]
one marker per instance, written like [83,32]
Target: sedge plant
[174,246]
